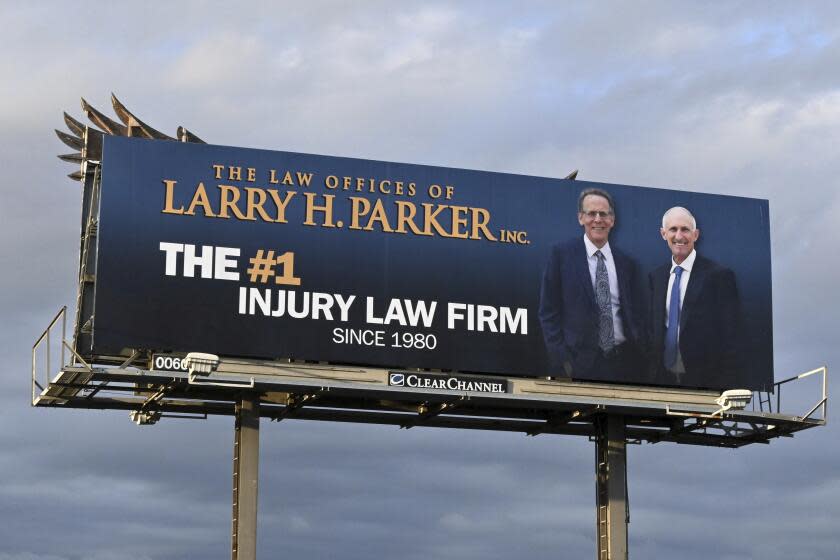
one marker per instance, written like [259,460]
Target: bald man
[694,319]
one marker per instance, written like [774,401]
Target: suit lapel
[581,267]
[625,294]
[660,291]
[621,276]
[692,291]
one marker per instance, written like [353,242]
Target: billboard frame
[338,393]
[611,415]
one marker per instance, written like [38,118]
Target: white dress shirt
[592,261]
[686,265]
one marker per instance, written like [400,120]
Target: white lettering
[519,323]
[224,263]
[204,260]
[420,310]
[297,305]
[370,316]
[452,314]
[364,337]
[321,303]
[257,299]
[488,318]
[172,250]
[344,305]
[395,313]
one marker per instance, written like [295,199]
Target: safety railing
[821,405]
[46,339]
[46,344]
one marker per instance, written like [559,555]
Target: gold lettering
[272,177]
[360,207]
[218,167]
[405,215]
[465,222]
[431,219]
[304,178]
[287,178]
[234,174]
[458,220]
[170,195]
[256,199]
[480,219]
[412,189]
[228,199]
[288,278]
[252,174]
[378,215]
[281,204]
[200,198]
[311,208]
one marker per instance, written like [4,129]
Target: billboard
[274,255]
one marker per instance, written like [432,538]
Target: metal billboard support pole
[612,507]
[246,462]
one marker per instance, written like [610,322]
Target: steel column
[246,460]
[612,508]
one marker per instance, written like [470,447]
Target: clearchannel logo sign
[447,382]
[396,379]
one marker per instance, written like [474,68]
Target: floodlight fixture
[200,363]
[733,399]
[144,418]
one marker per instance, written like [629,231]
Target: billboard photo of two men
[601,320]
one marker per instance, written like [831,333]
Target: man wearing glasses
[590,303]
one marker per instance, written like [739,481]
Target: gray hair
[596,192]
[676,209]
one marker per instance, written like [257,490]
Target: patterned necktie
[671,339]
[606,334]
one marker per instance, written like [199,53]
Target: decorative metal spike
[75,126]
[124,115]
[185,135]
[88,140]
[108,125]
[133,123]
[572,176]
[72,158]
[70,140]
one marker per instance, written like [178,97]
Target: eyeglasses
[592,214]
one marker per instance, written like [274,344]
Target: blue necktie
[671,340]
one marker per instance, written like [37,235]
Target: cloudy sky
[737,98]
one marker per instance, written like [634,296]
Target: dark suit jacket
[709,326]
[569,311]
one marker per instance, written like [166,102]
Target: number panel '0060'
[162,362]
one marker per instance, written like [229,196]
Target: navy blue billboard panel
[275,255]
